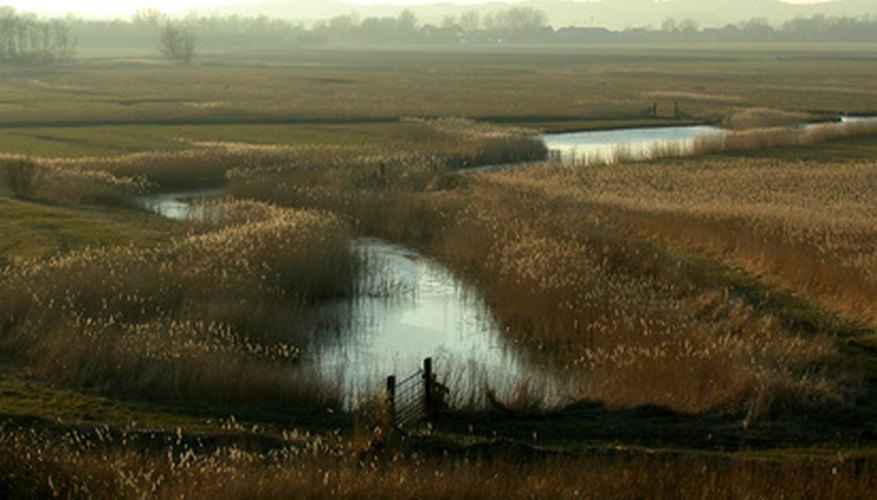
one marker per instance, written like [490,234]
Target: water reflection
[604,146]
[407,307]
[411,307]
[182,206]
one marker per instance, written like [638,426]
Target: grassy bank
[31,230]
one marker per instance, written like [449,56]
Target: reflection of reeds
[720,141]
[212,317]
[478,386]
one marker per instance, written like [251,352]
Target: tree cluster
[23,37]
[177,42]
[817,29]
[516,24]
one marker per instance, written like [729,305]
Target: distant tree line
[814,29]
[516,25]
[512,25]
[23,37]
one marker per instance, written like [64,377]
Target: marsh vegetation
[711,299]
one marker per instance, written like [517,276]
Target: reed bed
[102,465]
[463,143]
[574,276]
[434,144]
[806,226]
[635,318]
[31,179]
[761,118]
[217,317]
[576,288]
[765,138]
[387,194]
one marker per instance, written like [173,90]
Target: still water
[408,307]
[604,146]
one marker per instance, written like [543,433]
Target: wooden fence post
[427,387]
[391,400]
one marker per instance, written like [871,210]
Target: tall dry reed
[579,289]
[219,316]
[639,320]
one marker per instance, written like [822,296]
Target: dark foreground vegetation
[105,464]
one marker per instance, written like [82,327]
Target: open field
[35,230]
[293,97]
[722,307]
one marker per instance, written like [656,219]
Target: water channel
[603,146]
[409,307]
[431,312]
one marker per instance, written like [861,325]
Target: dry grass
[808,227]
[552,250]
[639,321]
[216,317]
[765,138]
[433,145]
[78,466]
[464,143]
[39,180]
[386,194]
[755,118]
[572,284]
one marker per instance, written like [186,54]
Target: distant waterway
[606,146]
[603,146]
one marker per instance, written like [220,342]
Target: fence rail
[408,399]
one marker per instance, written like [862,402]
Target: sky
[110,7]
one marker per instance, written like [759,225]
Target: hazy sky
[104,7]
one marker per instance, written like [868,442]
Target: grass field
[292,97]
[723,307]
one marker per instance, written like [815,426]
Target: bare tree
[24,38]
[177,42]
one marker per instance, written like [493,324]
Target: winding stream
[427,313]
[431,312]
